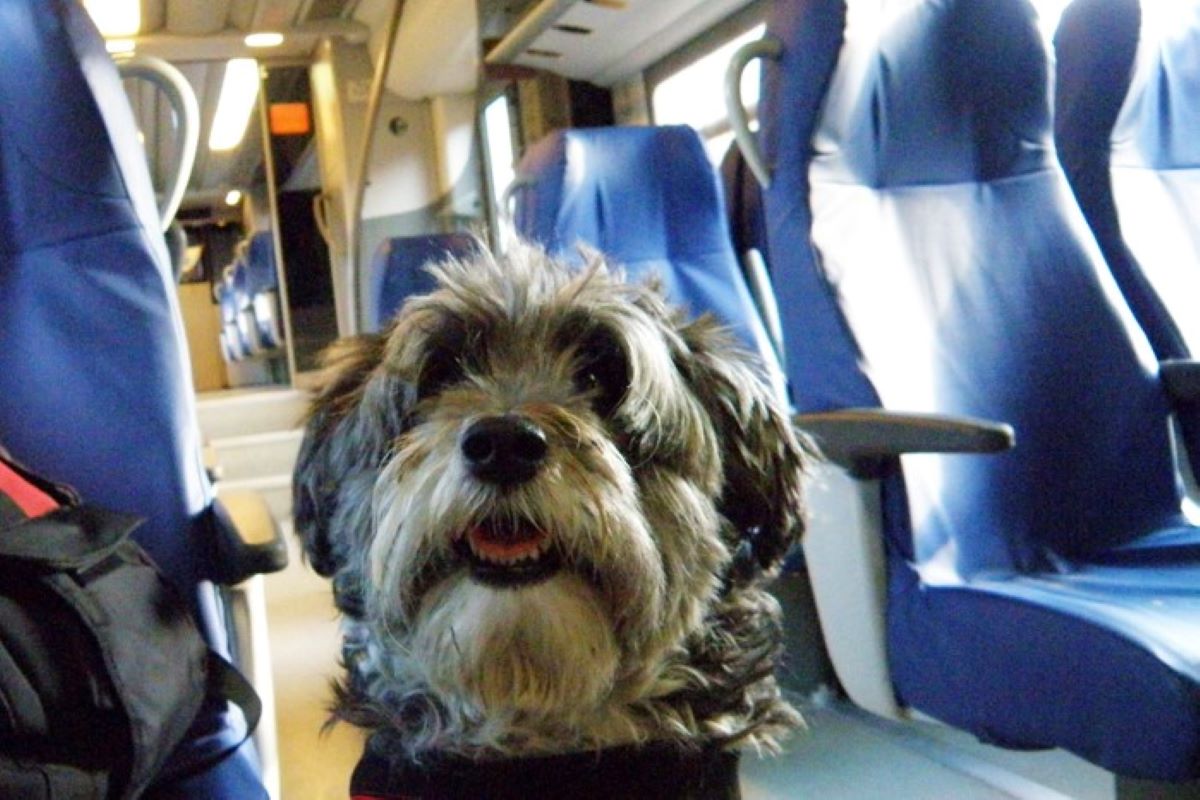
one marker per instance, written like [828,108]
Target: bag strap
[224,681]
[20,494]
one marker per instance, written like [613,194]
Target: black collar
[660,771]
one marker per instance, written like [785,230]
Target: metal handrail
[767,47]
[182,97]
[358,187]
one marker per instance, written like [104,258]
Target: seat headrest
[398,269]
[649,199]
[260,263]
[637,194]
[937,92]
[1159,123]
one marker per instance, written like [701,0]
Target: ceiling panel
[191,18]
[608,42]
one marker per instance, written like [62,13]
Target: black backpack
[102,669]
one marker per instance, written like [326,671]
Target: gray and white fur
[548,503]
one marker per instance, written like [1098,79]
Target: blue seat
[261,285]
[397,270]
[931,260]
[242,296]
[1127,112]
[648,198]
[94,370]
[232,301]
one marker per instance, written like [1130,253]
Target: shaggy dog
[548,504]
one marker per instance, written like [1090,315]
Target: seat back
[95,366]
[94,371]
[398,270]
[1127,108]
[262,286]
[950,271]
[649,199]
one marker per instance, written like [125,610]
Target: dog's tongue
[507,542]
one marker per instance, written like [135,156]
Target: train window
[692,93]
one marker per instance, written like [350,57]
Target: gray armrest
[868,441]
[1181,381]
[248,540]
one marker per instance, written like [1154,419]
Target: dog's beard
[540,652]
[593,630]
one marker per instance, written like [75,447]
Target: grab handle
[767,47]
[179,94]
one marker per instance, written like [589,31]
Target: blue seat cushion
[1100,661]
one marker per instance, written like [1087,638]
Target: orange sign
[289,118]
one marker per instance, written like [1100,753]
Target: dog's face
[541,493]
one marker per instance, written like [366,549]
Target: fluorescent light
[239,90]
[264,39]
[115,17]
[233,197]
[115,46]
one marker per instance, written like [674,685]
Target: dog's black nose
[504,450]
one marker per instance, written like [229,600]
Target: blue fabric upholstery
[398,270]
[94,369]
[260,264]
[233,344]
[1127,109]
[929,257]
[649,199]
[262,289]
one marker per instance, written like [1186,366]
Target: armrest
[248,540]
[867,441]
[1181,381]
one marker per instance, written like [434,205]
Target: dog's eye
[601,372]
[441,369]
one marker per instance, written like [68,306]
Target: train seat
[1127,109]
[397,270]
[648,198]
[938,282]
[237,329]
[94,369]
[232,348]
[242,293]
[262,290]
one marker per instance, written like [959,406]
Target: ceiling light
[264,39]
[239,89]
[233,197]
[116,17]
[116,46]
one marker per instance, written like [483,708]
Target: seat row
[248,296]
[984,256]
[999,388]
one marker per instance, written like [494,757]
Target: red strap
[32,501]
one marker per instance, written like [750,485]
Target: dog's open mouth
[504,552]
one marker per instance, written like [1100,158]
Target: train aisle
[254,435]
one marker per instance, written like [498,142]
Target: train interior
[318,152]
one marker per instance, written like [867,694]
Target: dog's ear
[356,414]
[763,457]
